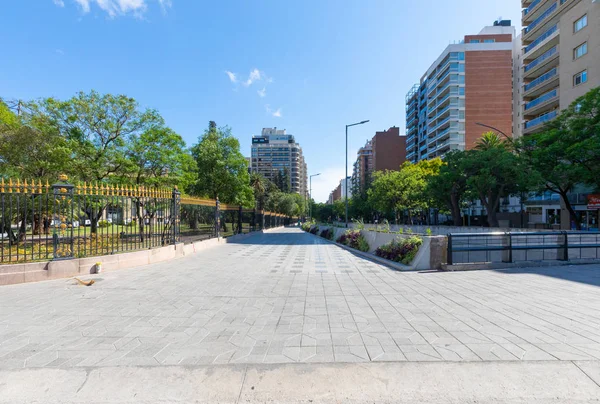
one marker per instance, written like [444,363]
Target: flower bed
[404,250]
[354,239]
[328,234]
[306,226]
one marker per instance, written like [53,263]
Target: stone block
[63,268]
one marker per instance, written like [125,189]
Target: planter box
[430,255]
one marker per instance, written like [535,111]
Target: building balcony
[544,102]
[537,124]
[541,44]
[539,22]
[542,84]
[533,10]
[546,61]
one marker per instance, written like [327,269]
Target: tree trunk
[572,213]
[140,217]
[37,224]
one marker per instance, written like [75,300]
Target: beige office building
[560,59]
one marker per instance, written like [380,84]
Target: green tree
[30,146]
[396,191]
[159,158]
[494,171]
[448,188]
[98,129]
[222,169]
[579,129]
[259,187]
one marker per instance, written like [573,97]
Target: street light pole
[346,177]
[310,196]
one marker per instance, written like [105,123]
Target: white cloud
[255,75]
[84,4]
[262,93]
[232,76]
[116,8]
[275,113]
[165,4]
[323,184]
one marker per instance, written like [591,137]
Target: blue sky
[309,66]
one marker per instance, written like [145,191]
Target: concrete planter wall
[430,256]
[43,271]
[445,230]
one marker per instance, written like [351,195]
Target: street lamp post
[310,196]
[346,177]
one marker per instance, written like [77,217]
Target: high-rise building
[363,166]
[469,83]
[560,62]
[560,57]
[339,192]
[389,149]
[274,152]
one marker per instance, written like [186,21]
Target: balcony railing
[531,7]
[543,78]
[541,119]
[541,38]
[539,60]
[548,96]
[541,18]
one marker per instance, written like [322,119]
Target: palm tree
[258,184]
[490,140]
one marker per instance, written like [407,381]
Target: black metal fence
[464,248]
[41,222]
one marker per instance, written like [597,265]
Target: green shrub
[358,224]
[428,231]
[354,239]
[386,226]
[306,226]
[404,250]
[328,234]
[103,223]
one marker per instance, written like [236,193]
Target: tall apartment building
[560,62]
[560,57]
[363,166]
[389,149]
[470,82]
[339,192]
[385,151]
[273,152]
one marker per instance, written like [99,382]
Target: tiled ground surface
[289,296]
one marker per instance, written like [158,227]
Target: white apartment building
[273,152]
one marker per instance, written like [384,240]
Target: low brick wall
[43,271]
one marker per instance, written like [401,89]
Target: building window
[580,24]
[461,56]
[474,41]
[580,78]
[489,40]
[580,51]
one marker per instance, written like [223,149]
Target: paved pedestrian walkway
[287,296]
